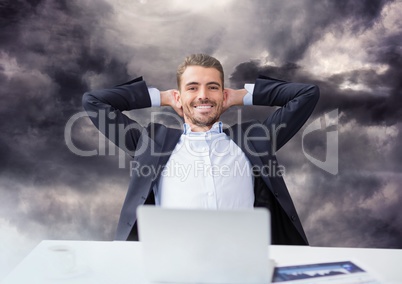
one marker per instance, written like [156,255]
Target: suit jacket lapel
[167,139]
[171,139]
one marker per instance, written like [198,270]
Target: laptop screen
[205,246]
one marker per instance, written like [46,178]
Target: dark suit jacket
[152,146]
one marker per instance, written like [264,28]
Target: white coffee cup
[60,259]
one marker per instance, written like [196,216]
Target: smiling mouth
[202,107]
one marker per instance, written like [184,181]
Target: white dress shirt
[206,170]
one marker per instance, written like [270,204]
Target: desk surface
[120,262]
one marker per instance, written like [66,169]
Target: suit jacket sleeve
[105,109]
[296,102]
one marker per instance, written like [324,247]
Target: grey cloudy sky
[51,52]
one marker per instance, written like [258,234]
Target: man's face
[201,96]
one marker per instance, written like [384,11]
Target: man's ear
[177,98]
[225,94]
[225,97]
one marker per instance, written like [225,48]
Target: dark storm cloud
[352,205]
[289,28]
[363,14]
[48,45]
[380,104]
[12,12]
[46,51]
[361,200]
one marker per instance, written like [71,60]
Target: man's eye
[214,88]
[192,88]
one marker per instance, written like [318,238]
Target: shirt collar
[215,129]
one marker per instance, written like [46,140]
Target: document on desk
[345,272]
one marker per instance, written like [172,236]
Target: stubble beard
[205,121]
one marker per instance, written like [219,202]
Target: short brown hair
[199,59]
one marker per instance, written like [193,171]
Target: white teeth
[203,106]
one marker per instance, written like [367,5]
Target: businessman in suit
[205,164]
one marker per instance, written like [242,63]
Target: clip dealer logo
[327,122]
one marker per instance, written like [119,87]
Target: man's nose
[202,94]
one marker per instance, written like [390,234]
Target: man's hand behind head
[234,97]
[168,99]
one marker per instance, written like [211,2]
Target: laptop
[205,246]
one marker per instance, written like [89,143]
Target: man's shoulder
[244,125]
[154,128]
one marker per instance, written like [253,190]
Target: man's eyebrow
[213,83]
[192,83]
[208,84]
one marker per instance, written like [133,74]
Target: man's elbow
[87,100]
[314,93]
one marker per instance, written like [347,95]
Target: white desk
[120,262]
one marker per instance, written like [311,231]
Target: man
[205,165]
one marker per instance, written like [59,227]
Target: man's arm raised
[296,102]
[233,97]
[105,108]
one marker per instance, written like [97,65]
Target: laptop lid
[205,246]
